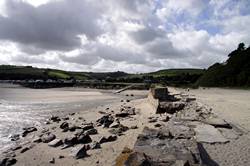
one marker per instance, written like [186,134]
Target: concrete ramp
[123,89]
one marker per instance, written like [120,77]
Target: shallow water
[21,107]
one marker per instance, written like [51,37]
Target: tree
[241,47]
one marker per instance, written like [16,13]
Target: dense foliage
[235,72]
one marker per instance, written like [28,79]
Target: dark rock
[48,137]
[122,114]
[61,157]
[71,140]
[110,138]
[16,147]
[128,100]
[119,130]
[102,112]
[106,120]
[95,145]
[170,107]
[8,162]
[153,120]
[65,118]
[64,125]
[71,114]
[52,161]
[84,139]
[79,152]
[157,125]
[87,126]
[91,132]
[73,128]
[55,119]
[24,149]
[28,130]
[55,143]
[137,158]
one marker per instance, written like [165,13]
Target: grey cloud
[163,49]
[53,26]
[146,35]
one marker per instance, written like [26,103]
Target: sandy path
[230,104]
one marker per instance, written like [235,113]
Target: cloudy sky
[128,35]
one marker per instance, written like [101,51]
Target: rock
[28,130]
[37,139]
[87,127]
[71,114]
[55,119]
[79,152]
[217,122]
[110,138]
[91,132]
[95,145]
[8,162]
[106,120]
[71,140]
[181,163]
[84,139]
[189,99]
[102,112]
[52,161]
[157,125]
[73,128]
[55,143]
[137,158]
[209,134]
[170,107]
[48,137]
[119,130]
[61,157]
[180,131]
[132,95]
[16,147]
[134,127]
[115,125]
[24,149]
[65,118]
[64,125]
[14,137]
[128,100]
[122,114]
[153,120]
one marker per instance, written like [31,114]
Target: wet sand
[23,107]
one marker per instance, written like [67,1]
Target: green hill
[235,72]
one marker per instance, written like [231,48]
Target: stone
[106,120]
[14,137]
[79,152]
[91,132]
[55,143]
[209,134]
[217,122]
[37,139]
[48,137]
[24,149]
[16,147]
[87,126]
[52,161]
[28,130]
[153,120]
[84,139]
[181,163]
[95,145]
[119,130]
[115,125]
[64,125]
[134,127]
[170,107]
[122,114]
[61,157]
[110,138]
[71,140]
[157,125]
[55,119]
[8,162]
[137,158]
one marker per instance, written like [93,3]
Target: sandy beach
[223,102]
